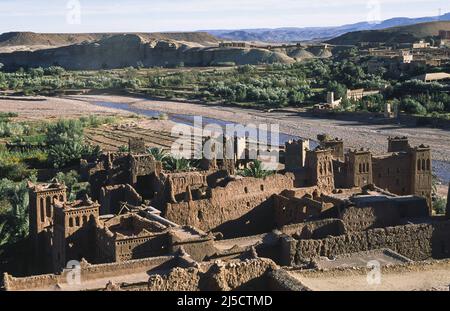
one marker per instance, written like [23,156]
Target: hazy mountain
[316,33]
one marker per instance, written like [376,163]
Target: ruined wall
[363,218]
[337,147]
[246,275]
[282,280]
[234,275]
[294,210]
[111,196]
[178,279]
[242,207]
[89,272]
[317,229]
[417,242]
[197,244]
[295,154]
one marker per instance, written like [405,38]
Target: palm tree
[177,164]
[256,170]
[159,154]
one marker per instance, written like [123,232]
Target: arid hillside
[125,50]
[405,34]
[30,41]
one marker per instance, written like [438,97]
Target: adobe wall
[294,210]
[234,275]
[178,279]
[141,247]
[89,272]
[242,207]
[315,229]
[393,173]
[417,242]
[111,196]
[197,244]
[363,218]
[282,280]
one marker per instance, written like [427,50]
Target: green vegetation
[439,205]
[177,165]
[159,154]
[300,84]
[13,211]
[75,188]
[256,170]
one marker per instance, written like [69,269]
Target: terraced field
[111,138]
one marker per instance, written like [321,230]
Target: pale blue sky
[185,15]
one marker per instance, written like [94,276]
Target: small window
[262,187]
[70,222]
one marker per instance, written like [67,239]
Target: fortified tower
[359,170]
[336,144]
[398,144]
[74,232]
[320,164]
[421,177]
[295,154]
[41,212]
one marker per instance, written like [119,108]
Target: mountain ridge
[290,34]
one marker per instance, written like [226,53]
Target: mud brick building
[197,230]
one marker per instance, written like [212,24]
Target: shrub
[75,188]
[256,170]
[439,205]
[177,164]
[159,154]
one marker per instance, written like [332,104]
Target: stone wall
[417,242]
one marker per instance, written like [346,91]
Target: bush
[64,132]
[13,211]
[70,153]
[412,106]
[439,206]
[75,189]
[256,170]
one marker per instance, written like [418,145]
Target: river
[441,169]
